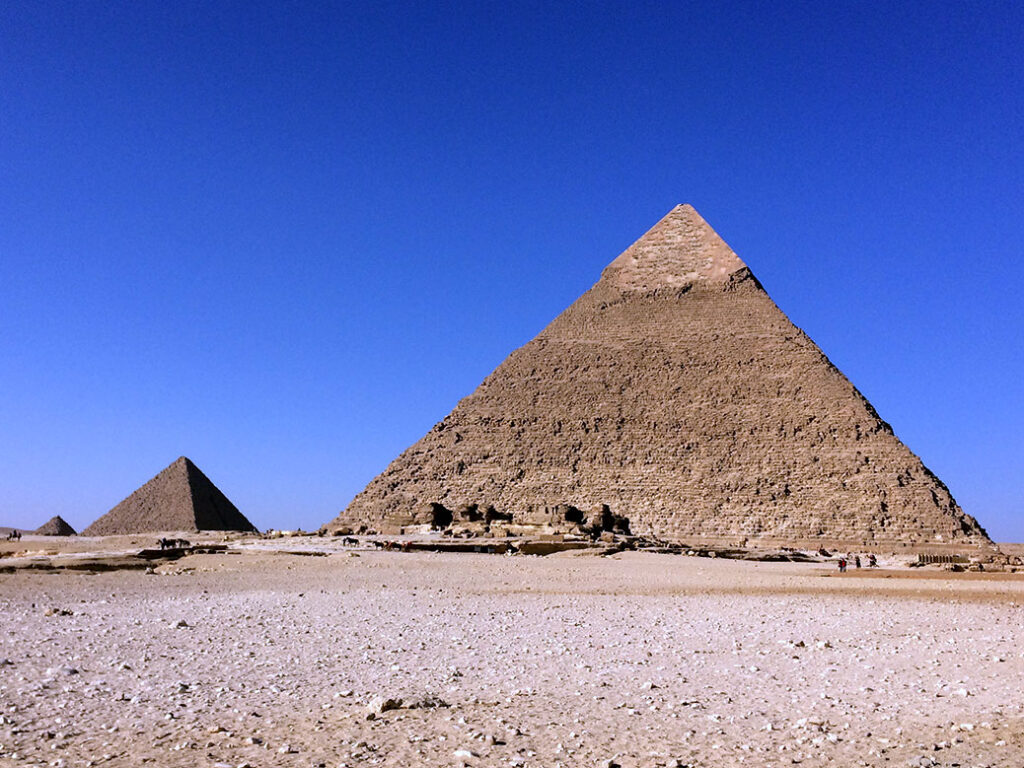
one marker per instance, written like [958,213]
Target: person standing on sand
[856,562]
[842,565]
[872,561]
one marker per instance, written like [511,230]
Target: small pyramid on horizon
[180,498]
[674,393]
[55,526]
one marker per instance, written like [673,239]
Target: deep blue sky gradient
[284,239]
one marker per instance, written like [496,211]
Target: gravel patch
[399,659]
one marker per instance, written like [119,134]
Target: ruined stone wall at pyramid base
[698,411]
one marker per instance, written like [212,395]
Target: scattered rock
[380,704]
[62,670]
[427,702]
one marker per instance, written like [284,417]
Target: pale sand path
[646,659]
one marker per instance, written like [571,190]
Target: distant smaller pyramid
[55,526]
[181,498]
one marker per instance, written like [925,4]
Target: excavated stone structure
[181,498]
[676,394]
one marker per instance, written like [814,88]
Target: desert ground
[308,654]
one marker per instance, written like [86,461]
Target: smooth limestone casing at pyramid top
[676,392]
[180,498]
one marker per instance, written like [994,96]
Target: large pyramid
[55,526]
[676,393]
[181,498]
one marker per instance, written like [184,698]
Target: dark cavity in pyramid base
[677,395]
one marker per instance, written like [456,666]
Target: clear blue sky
[284,239]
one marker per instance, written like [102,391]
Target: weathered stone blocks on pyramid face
[678,394]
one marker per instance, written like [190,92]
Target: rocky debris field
[426,659]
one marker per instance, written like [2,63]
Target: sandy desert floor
[272,659]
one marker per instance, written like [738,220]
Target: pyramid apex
[185,463]
[681,249]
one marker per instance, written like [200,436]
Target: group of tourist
[844,562]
